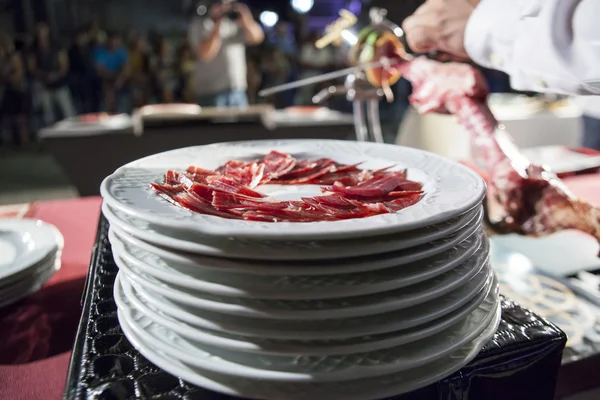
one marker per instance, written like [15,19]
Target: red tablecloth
[36,335]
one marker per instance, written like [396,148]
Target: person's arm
[549,46]
[207,43]
[210,46]
[253,32]
[544,45]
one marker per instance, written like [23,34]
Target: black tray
[521,362]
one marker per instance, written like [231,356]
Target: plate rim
[349,374]
[221,289]
[471,219]
[480,266]
[43,278]
[191,259]
[127,292]
[48,231]
[185,372]
[478,287]
[312,230]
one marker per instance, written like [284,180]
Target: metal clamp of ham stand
[362,94]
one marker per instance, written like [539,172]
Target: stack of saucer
[355,309]
[30,253]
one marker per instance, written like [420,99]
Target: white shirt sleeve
[544,45]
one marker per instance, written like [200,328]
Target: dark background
[18,17]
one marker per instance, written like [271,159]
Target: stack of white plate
[355,309]
[30,253]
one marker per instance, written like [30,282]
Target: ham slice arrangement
[348,191]
[530,199]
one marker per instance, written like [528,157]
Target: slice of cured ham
[228,192]
[247,173]
[530,199]
[307,172]
[228,185]
[378,186]
[277,164]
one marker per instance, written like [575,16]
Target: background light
[355,6]
[349,37]
[302,6]
[201,10]
[269,18]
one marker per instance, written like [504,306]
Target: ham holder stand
[360,89]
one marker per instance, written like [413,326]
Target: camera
[233,15]
[202,8]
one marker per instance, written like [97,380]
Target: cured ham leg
[531,200]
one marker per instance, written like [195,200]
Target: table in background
[102,151]
[441,134]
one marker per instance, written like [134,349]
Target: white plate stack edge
[356,309]
[30,252]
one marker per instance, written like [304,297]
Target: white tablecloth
[440,133]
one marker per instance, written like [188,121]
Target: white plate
[32,271]
[360,389]
[332,368]
[462,239]
[561,159]
[33,275]
[126,297]
[285,250]
[24,243]
[329,329]
[450,189]
[21,291]
[291,287]
[319,309]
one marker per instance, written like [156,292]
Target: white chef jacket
[544,45]
[589,105]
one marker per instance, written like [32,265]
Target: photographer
[219,39]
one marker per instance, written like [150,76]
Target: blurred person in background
[219,39]
[276,71]
[186,65]
[139,69]
[82,77]
[254,78]
[97,34]
[49,64]
[13,93]
[111,62]
[164,69]
[284,39]
[312,62]
[131,38]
